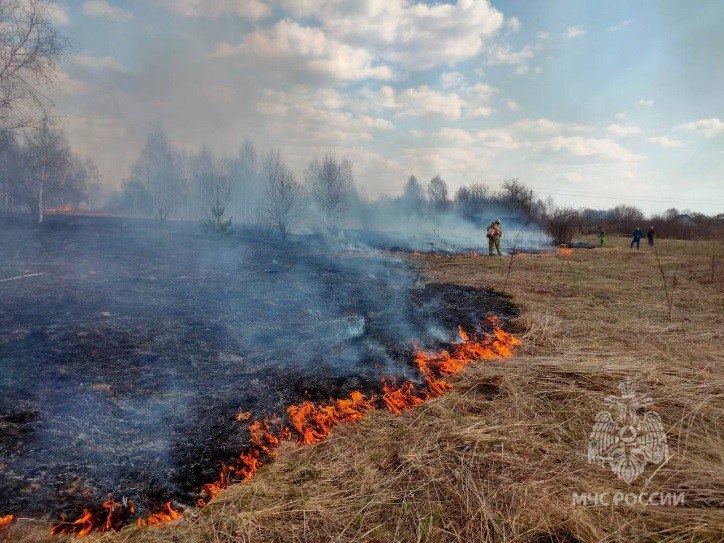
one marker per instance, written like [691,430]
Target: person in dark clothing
[637,235]
[650,234]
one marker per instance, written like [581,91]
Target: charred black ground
[123,365]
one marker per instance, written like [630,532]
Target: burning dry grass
[499,456]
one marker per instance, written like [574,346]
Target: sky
[594,103]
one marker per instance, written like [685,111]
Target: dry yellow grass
[499,457]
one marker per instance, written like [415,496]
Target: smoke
[388,225]
[259,189]
[126,362]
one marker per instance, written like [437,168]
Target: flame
[63,209]
[242,416]
[396,399]
[166,515]
[81,527]
[433,366]
[564,251]
[113,507]
[314,422]
[214,488]
[6,520]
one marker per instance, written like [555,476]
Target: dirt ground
[500,457]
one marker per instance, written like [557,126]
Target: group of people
[636,236]
[495,232]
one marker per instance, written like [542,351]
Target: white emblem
[631,438]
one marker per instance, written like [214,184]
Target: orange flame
[164,516]
[6,520]
[314,422]
[564,251]
[397,399]
[242,416]
[81,527]
[63,209]
[432,366]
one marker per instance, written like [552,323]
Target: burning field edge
[310,423]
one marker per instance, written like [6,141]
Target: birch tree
[30,49]
[330,182]
[283,195]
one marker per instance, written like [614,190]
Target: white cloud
[101,8]
[646,102]
[68,86]
[452,79]
[455,135]
[621,116]
[663,141]
[415,35]
[573,32]
[603,149]
[316,116]
[90,61]
[424,102]
[708,128]
[620,130]
[522,70]
[619,26]
[513,105]
[58,14]
[252,9]
[543,35]
[514,24]
[297,45]
[499,54]
[477,99]
[544,126]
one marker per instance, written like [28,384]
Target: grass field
[499,457]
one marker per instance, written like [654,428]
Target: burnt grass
[124,363]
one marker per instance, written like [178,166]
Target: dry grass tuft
[498,458]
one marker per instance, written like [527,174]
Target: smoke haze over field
[593,107]
[128,358]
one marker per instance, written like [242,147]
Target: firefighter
[636,236]
[494,233]
[651,234]
[601,235]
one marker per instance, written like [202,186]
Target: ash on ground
[127,348]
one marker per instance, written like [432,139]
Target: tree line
[256,188]
[40,171]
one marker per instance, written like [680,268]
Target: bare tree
[413,197]
[30,49]
[46,162]
[437,194]
[627,217]
[330,183]
[246,191]
[11,167]
[158,169]
[517,193]
[561,224]
[470,201]
[214,185]
[283,196]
